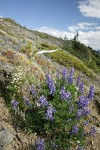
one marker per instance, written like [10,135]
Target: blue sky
[57,17]
[36,13]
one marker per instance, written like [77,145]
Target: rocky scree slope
[14,36]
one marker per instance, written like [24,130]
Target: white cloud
[90,8]
[56,33]
[1,16]
[89,38]
[97,27]
[82,26]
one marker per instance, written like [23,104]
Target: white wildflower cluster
[17,78]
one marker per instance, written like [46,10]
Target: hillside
[21,65]
[89,56]
[16,37]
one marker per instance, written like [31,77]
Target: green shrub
[90,57]
[58,112]
[46,46]
[66,59]
[27,49]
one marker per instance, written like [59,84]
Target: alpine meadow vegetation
[57,110]
[51,107]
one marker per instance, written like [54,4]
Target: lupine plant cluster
[58,112]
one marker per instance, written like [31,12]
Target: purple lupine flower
[33,92]
[86,112]
[52,87]
[75,129]
[68,95]
[78,81]
[14,103]
[82,112]
[91,92]
[49,113]
[64,74]
[92,131]
[51,84]
[83,101]
[39,144]
[85,123]
[80,148]
[27,101]
[71,78]
[81,88]
[72,71]
[57,75]
[48,78]
[79,113]
[64,95]
[43,102]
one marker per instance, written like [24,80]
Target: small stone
[5,137]
[97,129]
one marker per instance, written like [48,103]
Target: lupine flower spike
[51,85]
[39,144]
[43,102]
[64,74]
[75,129]
[78,81]
[91,92]
[64,95]
[71,78]
[14,103]
[49,113]
[27,101]
[83,101]
[81,88]
[33,91]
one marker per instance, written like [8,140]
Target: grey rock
[97,129]
[5,138]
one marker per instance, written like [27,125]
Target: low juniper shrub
[58,113]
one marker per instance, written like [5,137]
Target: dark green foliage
[90,57]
